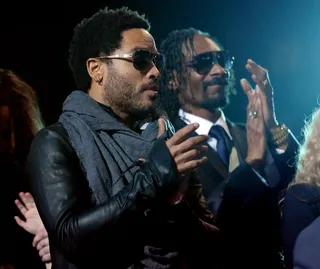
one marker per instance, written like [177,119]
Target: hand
[261,77]
[29,210]
[41,242]
[256,135]
[178,194]
[185,150]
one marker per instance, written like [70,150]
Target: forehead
[202,44]
[137,39]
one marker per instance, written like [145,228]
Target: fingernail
[196,125]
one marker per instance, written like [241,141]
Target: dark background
[281,35]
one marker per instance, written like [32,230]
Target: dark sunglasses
[203,63]
[141,59]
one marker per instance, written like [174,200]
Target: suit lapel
[239,136]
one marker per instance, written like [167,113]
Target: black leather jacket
[113,234]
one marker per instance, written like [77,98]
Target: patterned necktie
[224,143]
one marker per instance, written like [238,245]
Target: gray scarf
[105,147]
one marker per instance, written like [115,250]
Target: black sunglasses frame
[203,63]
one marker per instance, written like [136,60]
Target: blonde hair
[308,166]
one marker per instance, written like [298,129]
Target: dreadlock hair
[98,35]
[171,47]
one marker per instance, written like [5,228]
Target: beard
[213,103]
[220,101]
[126,97]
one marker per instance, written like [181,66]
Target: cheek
[195,83]
[128,73]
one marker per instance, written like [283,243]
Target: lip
[153,88]
[215,90]
[216,86]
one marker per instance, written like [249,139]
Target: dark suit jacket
[242,202]
[300,208]
[306,252]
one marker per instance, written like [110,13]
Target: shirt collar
[204,124]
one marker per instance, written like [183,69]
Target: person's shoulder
[50,137]
[305,192]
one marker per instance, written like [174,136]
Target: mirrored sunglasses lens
[205,63]
[225,60]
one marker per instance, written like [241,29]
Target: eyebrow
[139,48]
[148,44]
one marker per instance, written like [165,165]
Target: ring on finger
[253,114]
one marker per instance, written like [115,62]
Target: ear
[174,82]
[95,70]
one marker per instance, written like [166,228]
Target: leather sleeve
[197,201]
[63,196]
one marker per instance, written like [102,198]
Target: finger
[256,68]
[21,207]
[20,222]
[191,143]
[260,119]
[260,98]
[258,82]
[182,134]
[191,165]
[46,258]
[252,107]
[38,237]
[191,154]
[246,87]
[44,251]
[27,199]
[30,198]
[42,243]
[162,127]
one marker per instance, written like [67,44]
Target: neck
[212,115]
[124,117]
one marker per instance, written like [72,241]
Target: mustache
[222,81]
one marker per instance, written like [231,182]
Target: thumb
[246,87]
[162,127]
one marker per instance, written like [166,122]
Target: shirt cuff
[280,151]
[260,177]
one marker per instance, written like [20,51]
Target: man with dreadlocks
[247,165]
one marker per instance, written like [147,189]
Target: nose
[217,71]
[153,73]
